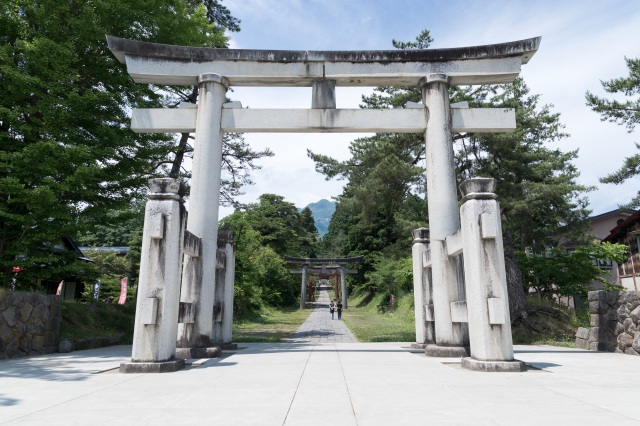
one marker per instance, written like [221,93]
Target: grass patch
[552,329]
[269,325]
[368,324]
[88,320]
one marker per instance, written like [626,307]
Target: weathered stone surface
[594,296]
[631,351]
[635,314]
[50,339]
[582,343]
[152,367]
[632,299]
[37,343]
[65,345]
[611,297]
[513,366]
[11,315]
[6,333]
[624,341]
[37,313]
[598,307]
[636,341]
[582,333]
[619,328]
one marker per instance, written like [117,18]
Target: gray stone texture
[615,323]
[29,324]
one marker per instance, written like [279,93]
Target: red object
[123,291]
[16,269]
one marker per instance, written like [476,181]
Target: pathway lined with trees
[320,328]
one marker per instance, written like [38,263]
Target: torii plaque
[214,70]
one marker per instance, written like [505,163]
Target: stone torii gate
[215,70]
[327,266]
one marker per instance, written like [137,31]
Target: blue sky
[583,42]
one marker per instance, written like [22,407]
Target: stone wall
[615,323]
[29,324]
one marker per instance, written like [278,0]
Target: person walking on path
[339,308]
[332,308]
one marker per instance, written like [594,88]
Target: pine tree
[625,113]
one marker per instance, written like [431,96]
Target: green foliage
[390,277]
[568,273]
[65,147]
[264,233]
[625,113]
[537,185]
[366,321]
[81,320]
[383,199]
[268,324]
[110,269]
[281,227]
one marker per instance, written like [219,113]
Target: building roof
[620,230]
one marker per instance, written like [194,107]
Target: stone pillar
[226,236]
[158,300]
[218,295]
[443,216]
[343,285]
[487,297]
[336,292]
[421,290]
[303,287]
[198,283]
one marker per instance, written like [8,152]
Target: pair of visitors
[332,308]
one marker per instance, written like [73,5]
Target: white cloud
[582,43]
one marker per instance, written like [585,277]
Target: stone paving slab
[322,383]
[320,328]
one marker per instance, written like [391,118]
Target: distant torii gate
[327,266]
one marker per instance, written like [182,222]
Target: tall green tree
[66,150]
[382,201]
[625,113]
[264,233]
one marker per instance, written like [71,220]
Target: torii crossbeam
[214,70]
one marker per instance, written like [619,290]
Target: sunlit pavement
[322,383]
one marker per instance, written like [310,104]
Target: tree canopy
[383,196]
[625,113]
[68,159]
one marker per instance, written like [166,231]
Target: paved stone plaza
[322,383]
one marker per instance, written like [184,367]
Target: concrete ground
[311,382]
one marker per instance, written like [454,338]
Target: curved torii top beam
[167,64]
[325,261]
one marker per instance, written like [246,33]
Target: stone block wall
[29,323]
[615,323]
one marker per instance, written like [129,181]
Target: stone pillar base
[152,367]
[187,353]
[230,346]
[418,345]
[513,366]
[447,351]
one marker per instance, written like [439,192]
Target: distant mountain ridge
[322,212]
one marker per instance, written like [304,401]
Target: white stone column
[229,280]
[218,296]
[343,285]
[198,284]
[421,289]
[159,282]
[487,297]
[443,215]
[303,287]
